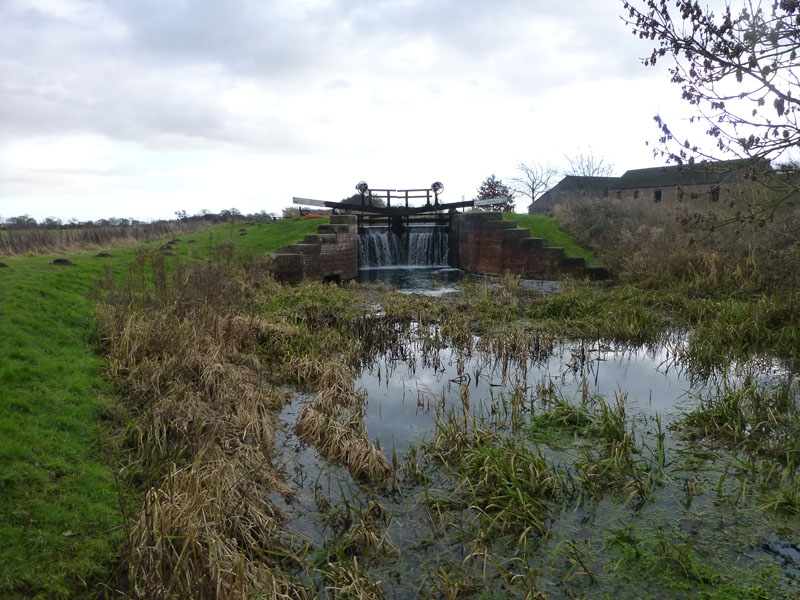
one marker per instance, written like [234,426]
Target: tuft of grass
[510,487]
[662,563]
[750,418]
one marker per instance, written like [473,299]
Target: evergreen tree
[492,187]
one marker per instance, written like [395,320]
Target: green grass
[60,521]
[546,227]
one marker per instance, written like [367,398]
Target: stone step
[304,248]
[284,255]
[320,238]
[518,234]
[531,243]
[344,220]
[499,224]
[334,228]
[553,252]
[573,262]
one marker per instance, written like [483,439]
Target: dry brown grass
[46,241]
[200,439]
[202,367]
[332,421]
[705,246]
[208,532]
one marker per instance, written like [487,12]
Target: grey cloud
[153,71]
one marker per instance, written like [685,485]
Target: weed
[349,582]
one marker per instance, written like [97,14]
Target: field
[179,425]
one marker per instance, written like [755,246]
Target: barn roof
[704,173]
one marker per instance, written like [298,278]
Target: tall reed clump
[761,427]
[614,464]
[199,436]
[750,418]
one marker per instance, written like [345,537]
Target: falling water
[417,246]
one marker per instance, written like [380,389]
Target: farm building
[571,188]
[701,182]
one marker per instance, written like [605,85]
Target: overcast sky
[140,108]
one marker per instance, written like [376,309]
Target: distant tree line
[23,233]
[204,216]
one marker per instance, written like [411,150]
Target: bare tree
[588,164]
[533,181]
[737,70]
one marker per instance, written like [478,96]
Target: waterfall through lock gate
[417,246]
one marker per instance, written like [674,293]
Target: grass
[60,518]
[546,227]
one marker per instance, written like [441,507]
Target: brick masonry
[485,243]
[331,254]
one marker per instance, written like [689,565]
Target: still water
[699,501]
[436,280]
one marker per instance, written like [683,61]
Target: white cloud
[143,108]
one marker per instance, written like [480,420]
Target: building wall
[673,194]
[699,195]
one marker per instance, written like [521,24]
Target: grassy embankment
[60,518]
[546,227]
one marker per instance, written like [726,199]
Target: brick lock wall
[330,254]
[486,244]
[480,243]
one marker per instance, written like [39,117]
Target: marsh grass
[200,438]
[750,418]
[510,488]
[199,361]
[349,582]
[666,561]
[202,355]
[360,530]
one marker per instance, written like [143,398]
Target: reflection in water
[422,377]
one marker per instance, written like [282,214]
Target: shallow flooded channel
[526,466]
